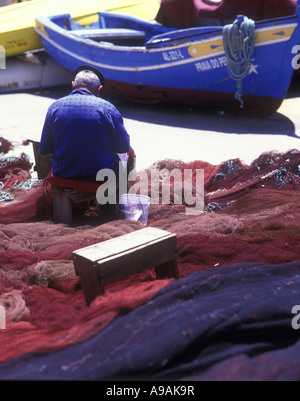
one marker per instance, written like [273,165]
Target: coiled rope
[239,44]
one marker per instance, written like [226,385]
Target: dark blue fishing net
[239,313]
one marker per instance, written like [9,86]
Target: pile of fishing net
[228,317]
[21,198]
[231,323]
[5,145]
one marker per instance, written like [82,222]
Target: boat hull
[254,106]
[190,70]
[17,34]
[32,71]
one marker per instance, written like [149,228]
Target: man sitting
[84,133]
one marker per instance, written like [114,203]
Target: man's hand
[131,163]
[131,153]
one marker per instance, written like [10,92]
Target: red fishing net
[251,215]
[5,145]
[21,197]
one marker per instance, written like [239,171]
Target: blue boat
[245,67]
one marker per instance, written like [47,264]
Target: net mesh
[239,278]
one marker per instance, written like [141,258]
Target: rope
[27,184]
[239,43]
[7,197]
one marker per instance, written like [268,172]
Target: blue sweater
[84,133]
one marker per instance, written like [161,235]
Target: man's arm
[47,143]
[121,139]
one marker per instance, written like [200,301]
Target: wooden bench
[121,257]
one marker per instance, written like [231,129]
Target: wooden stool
[64,194]
[121,257]
[67,193]
[63,201]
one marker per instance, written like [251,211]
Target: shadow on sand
[198,119]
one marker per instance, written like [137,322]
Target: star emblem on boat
[194,51]
[253,69]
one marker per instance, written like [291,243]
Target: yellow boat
[17,34]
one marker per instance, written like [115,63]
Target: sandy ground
[160,132]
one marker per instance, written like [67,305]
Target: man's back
[85,133]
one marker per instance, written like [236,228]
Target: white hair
[87,79]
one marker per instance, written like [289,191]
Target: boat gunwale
[47,22]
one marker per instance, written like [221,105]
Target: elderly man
[83,132]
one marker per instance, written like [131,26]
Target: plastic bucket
[134,207]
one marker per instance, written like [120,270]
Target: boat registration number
[173,55]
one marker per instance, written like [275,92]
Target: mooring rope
[239,43]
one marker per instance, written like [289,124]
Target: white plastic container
[134,207]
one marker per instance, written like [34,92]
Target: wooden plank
[137,260]
[89,281]
[79,197]
[62,207]
[121,244]
[167,270]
